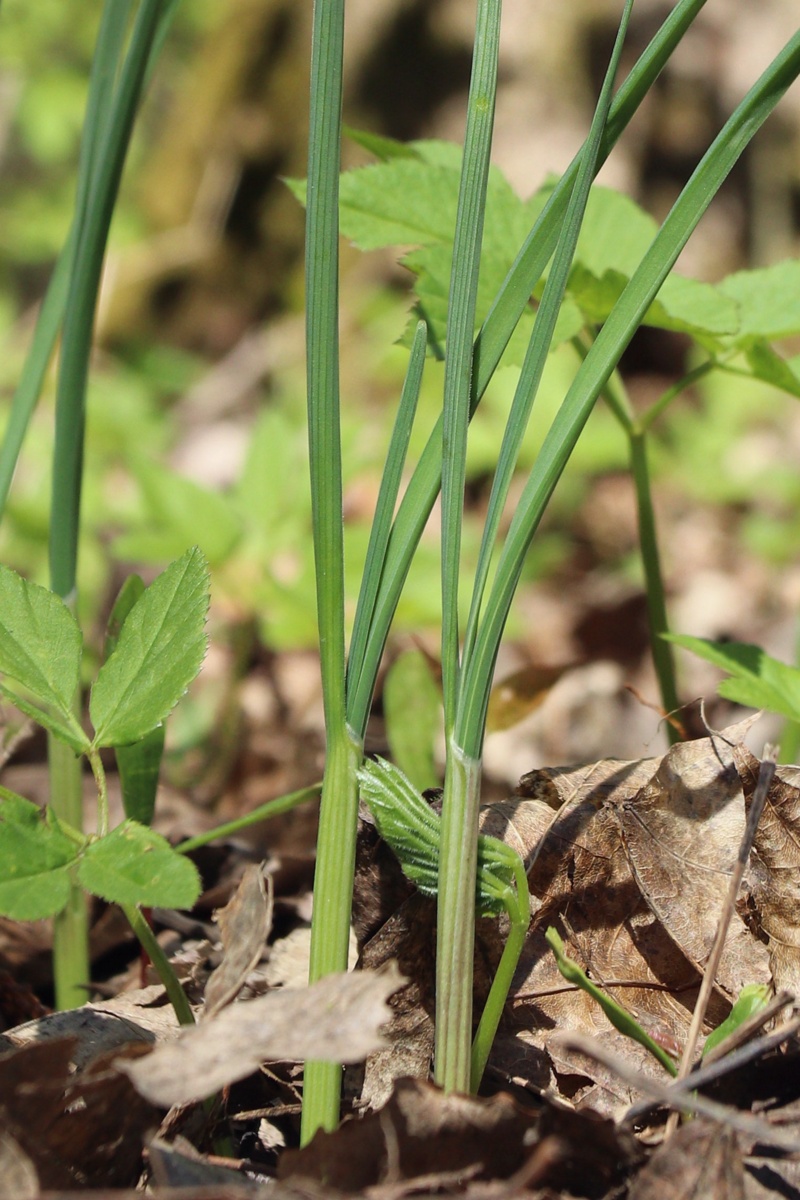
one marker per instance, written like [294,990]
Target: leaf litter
[629,860]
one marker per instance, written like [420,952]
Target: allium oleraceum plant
[143,676]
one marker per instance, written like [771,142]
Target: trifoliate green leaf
[40,650]
[135,865]
[159,652]
[35,860]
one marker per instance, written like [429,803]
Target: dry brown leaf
[244,925]
[426,1141]
[336,1019]
[701,1162]
[81,1129]
[636,859]
[774,874]
[681,835]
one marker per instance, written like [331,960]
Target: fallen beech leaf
[636,859]
[336,1019]
[702,1161]
[774,874]
[681,835]
[244,925]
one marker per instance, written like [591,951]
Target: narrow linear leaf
[758,681]
[35,860]
[135,865]
[40,643]
[159,652]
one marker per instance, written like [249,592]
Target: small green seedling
[752,999]
[413,830]
[156,645]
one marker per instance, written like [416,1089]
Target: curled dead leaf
[337,1019]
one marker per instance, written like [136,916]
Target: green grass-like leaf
[35,860]
[159,652]
[135,865]
[757,680]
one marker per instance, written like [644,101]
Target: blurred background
[196,413]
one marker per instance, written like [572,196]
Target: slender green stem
[455,927]
[71,926]
[519,914]
[149,942]
[663,659]
[646,419]
[330,931]
[273,808]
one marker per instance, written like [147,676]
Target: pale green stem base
[71,970]
[455,928]
[333,897]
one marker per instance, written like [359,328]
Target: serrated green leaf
[135,865]
[35,860]
[768,300]
[758,681]
[159,652]
[40,649]
[383,148]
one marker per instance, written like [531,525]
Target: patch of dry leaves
[630,860]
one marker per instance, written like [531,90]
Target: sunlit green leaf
[159,652]
[135,865]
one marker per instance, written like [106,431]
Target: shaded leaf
[160,649]
[441,1141]
[35,860]
[337,1019]
[135,865]
[139,767]
[412,709]
[774,869]
[701,1161]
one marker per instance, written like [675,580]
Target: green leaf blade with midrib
[161,647]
